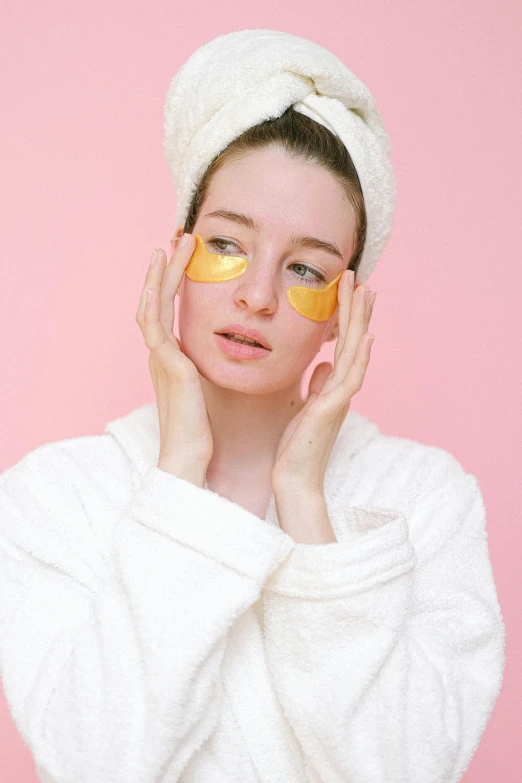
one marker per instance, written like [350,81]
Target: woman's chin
[248,377]
[247,380]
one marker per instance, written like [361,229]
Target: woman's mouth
[239,348]
[238,339]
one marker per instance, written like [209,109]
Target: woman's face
[286,198]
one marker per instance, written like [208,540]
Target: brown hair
[301,136]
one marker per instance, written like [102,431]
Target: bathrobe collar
[138,435]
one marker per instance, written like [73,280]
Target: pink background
[86,195]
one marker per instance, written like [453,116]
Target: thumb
[319,377]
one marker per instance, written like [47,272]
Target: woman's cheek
[193,306]
[202,309]
[304,337]
[312,332]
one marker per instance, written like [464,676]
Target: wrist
[194,472]
[286,486]
[304,516]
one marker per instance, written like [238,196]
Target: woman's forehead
[295,197]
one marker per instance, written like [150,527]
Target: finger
[154,334]
[172,279]
[357,326]
[344,297]
[152,274]
[319,377]
[149,312]
[343,392]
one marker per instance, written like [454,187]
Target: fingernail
[350,277]
[183,240]
[153,257]
[372,297]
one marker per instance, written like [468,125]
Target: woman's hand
[186,443]
[307,442]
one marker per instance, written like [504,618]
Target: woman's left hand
[307,442]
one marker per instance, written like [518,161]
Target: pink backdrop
[86,195]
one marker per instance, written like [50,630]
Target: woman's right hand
[186,443]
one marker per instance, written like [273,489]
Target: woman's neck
[247,427]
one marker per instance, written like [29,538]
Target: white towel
[242,78]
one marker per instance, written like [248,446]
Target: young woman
[236,583]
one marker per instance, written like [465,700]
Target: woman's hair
[300,136]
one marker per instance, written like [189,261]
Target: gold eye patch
[207,267]
[318,304]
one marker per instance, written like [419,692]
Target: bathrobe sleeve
[114,620]
[387,648]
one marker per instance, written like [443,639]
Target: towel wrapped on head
[242,78]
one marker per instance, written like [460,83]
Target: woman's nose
[256,289]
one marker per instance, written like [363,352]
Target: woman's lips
[240,350]
[246,331]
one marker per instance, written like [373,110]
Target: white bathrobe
[155,631]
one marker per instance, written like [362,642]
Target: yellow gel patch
[318,304]
[207,267]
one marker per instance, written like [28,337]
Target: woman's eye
[226,246]
[318,277]
[217,242]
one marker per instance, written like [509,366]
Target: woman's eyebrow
[301,241]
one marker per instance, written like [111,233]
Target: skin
[252,403]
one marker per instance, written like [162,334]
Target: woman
[235,583]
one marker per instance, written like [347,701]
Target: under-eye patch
[318,304]
[207,267]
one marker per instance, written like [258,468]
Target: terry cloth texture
[152,630]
